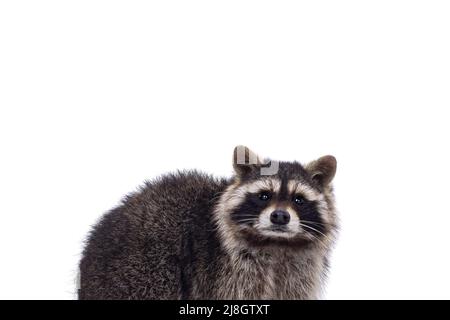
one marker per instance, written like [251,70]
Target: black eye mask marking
[250,209]
[309,216]
[247,213]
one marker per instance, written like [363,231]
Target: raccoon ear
[245,160]
[322,170]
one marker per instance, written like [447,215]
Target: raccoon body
[192,236]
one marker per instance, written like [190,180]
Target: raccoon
[188,235]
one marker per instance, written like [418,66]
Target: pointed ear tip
[329,159]
[236,154]
[240,146]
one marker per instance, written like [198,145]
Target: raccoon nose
[280,217]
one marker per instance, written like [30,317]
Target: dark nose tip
[280,217]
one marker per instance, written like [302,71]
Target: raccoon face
[293,206]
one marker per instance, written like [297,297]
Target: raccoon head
[291,206]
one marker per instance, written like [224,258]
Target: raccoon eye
[264,196]
[299,200]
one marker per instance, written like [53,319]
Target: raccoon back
[155,243]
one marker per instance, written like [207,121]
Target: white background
[97,96]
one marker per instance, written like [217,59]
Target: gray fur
[173,239]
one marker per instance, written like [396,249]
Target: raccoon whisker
[318,223]
[314,229]
[331,225]
[318,239]
[246,220]
[248,215]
